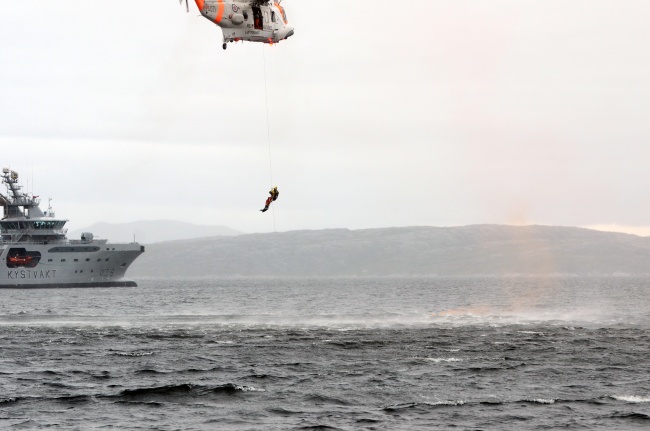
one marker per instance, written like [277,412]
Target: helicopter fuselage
[254,21]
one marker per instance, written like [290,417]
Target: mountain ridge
[416,250]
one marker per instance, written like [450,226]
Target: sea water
[398,353]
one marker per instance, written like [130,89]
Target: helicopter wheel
[225,45]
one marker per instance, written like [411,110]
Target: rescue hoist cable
[268,132]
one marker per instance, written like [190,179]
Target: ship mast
[17,199]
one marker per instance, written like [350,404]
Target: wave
[428,404]
[49,373]
[398,407]
[74,399]
[67,399]
[631,398]
[28,424]
[172,392]
[147,395]
[160,390]
[446,403]
[317,427]
[630,415]
[149,371]
[283,412]
[132,354]
[539,401]
[323,399]
[368,421]
[438,360]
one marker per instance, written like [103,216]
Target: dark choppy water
[349,354]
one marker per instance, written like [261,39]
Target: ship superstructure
[35,251]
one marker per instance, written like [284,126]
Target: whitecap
[541,401]
[446,403]
[631,398]
[133,354]
[249,389]
[438,360]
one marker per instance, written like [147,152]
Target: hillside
[468,250]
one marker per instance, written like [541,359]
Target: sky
[380,114]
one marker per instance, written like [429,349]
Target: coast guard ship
[35,252]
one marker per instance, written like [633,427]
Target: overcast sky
[381,113]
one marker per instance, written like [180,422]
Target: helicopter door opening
[258,22]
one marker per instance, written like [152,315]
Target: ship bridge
[23,220]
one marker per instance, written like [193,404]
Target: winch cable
[268,131]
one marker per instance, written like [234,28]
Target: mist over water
[360,302]
[346,353]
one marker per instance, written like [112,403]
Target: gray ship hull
[68,264]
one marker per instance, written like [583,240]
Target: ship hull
[67,264]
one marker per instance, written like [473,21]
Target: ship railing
[52,241]
[36,231]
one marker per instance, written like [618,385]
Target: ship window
[62,260]
[124,264]
[76,260]
[72,249]
[99,260]
[49,260]
[87,260]
[245,15]
[81,271]
[108,249]
[106,260]
[92,270]
[113,249]
[75,271]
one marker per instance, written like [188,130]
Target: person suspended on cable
[274,196]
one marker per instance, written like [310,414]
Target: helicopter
[250,20]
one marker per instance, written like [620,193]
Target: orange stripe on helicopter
[220,11]
[200,4]
[281,10]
